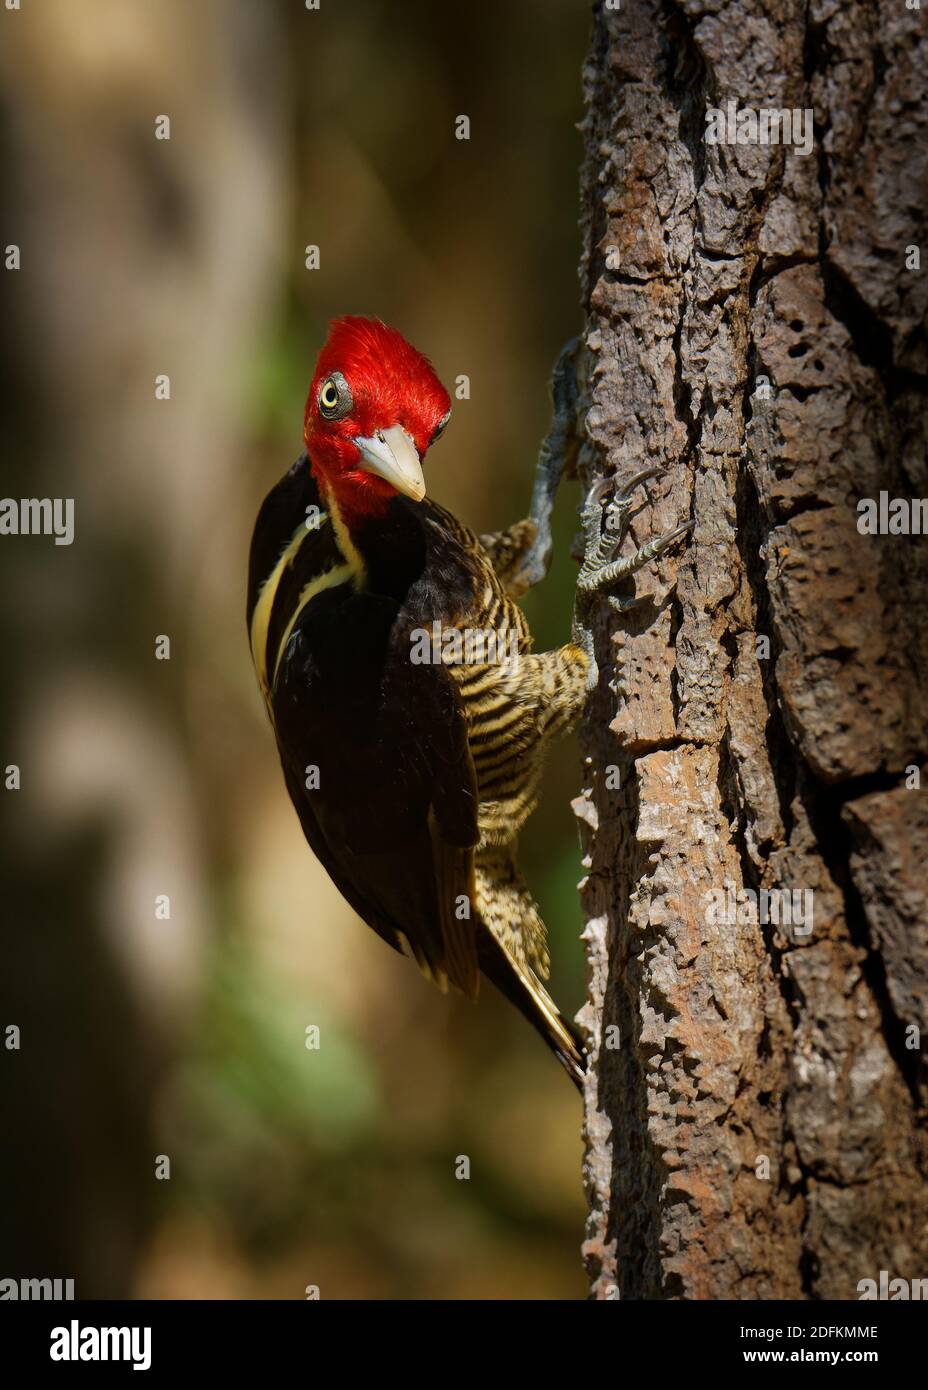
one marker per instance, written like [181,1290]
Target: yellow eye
[335,397]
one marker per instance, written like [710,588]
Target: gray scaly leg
[559,446]
[599,570]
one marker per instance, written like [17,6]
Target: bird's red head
[374,407]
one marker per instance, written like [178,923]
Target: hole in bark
[815,50]
[800,393]
[809,1270]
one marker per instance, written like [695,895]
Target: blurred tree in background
[185,1037]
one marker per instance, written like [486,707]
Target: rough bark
[704,268]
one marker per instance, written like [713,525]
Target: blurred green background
[185,1037]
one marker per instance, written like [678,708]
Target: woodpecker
[412,777]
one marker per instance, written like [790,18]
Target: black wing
[394,816]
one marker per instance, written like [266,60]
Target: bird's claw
[606,528]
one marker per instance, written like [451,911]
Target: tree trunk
[755,1108]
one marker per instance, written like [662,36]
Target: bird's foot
[605,528]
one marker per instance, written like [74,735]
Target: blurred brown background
[185,1037]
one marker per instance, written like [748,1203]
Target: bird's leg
[605,530]
[557,450]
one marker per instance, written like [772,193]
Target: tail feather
[521,987]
